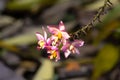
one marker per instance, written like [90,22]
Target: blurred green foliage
[29,4]
[105,60]
[108,56]
[108,25]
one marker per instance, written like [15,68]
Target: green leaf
[28,4]
[105,31]
[105,60]
[112,15]
[24,38]
[46,71]
[22,4]
[117,33]
[8,46]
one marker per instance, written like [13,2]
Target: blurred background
[99,58]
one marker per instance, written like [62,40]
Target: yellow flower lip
[59,35]
[41,43]
[53,54]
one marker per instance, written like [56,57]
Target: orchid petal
[45,34]
[39,36]
[48,41]
[78,43]
[54,37]
[65,47]
[54,48]
[67,53]
[61,26]
[77,51]
[48,48]
[64,41]
[82,43]
[65,35]
[53,30]
[58,56]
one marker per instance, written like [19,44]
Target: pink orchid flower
[54,53]
[59,32]
[42,41]
[57,42]
[72,47]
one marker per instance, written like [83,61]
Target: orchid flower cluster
[58,42]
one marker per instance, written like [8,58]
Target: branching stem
[86,28]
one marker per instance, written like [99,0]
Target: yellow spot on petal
[53,54]
[41,43]
[59,35]
[51,57]
[72,48]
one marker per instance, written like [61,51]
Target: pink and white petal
[61,26]
[67,53]
[77,51]
[64,41]
[78,43]
[49,48]
[65,35]
[48,41]
[65,47]
[39,36]
[45,34]
[54,48]
[53,30]
[82,43]
[58,56]
[54,37]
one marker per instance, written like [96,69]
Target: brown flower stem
[87,27]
